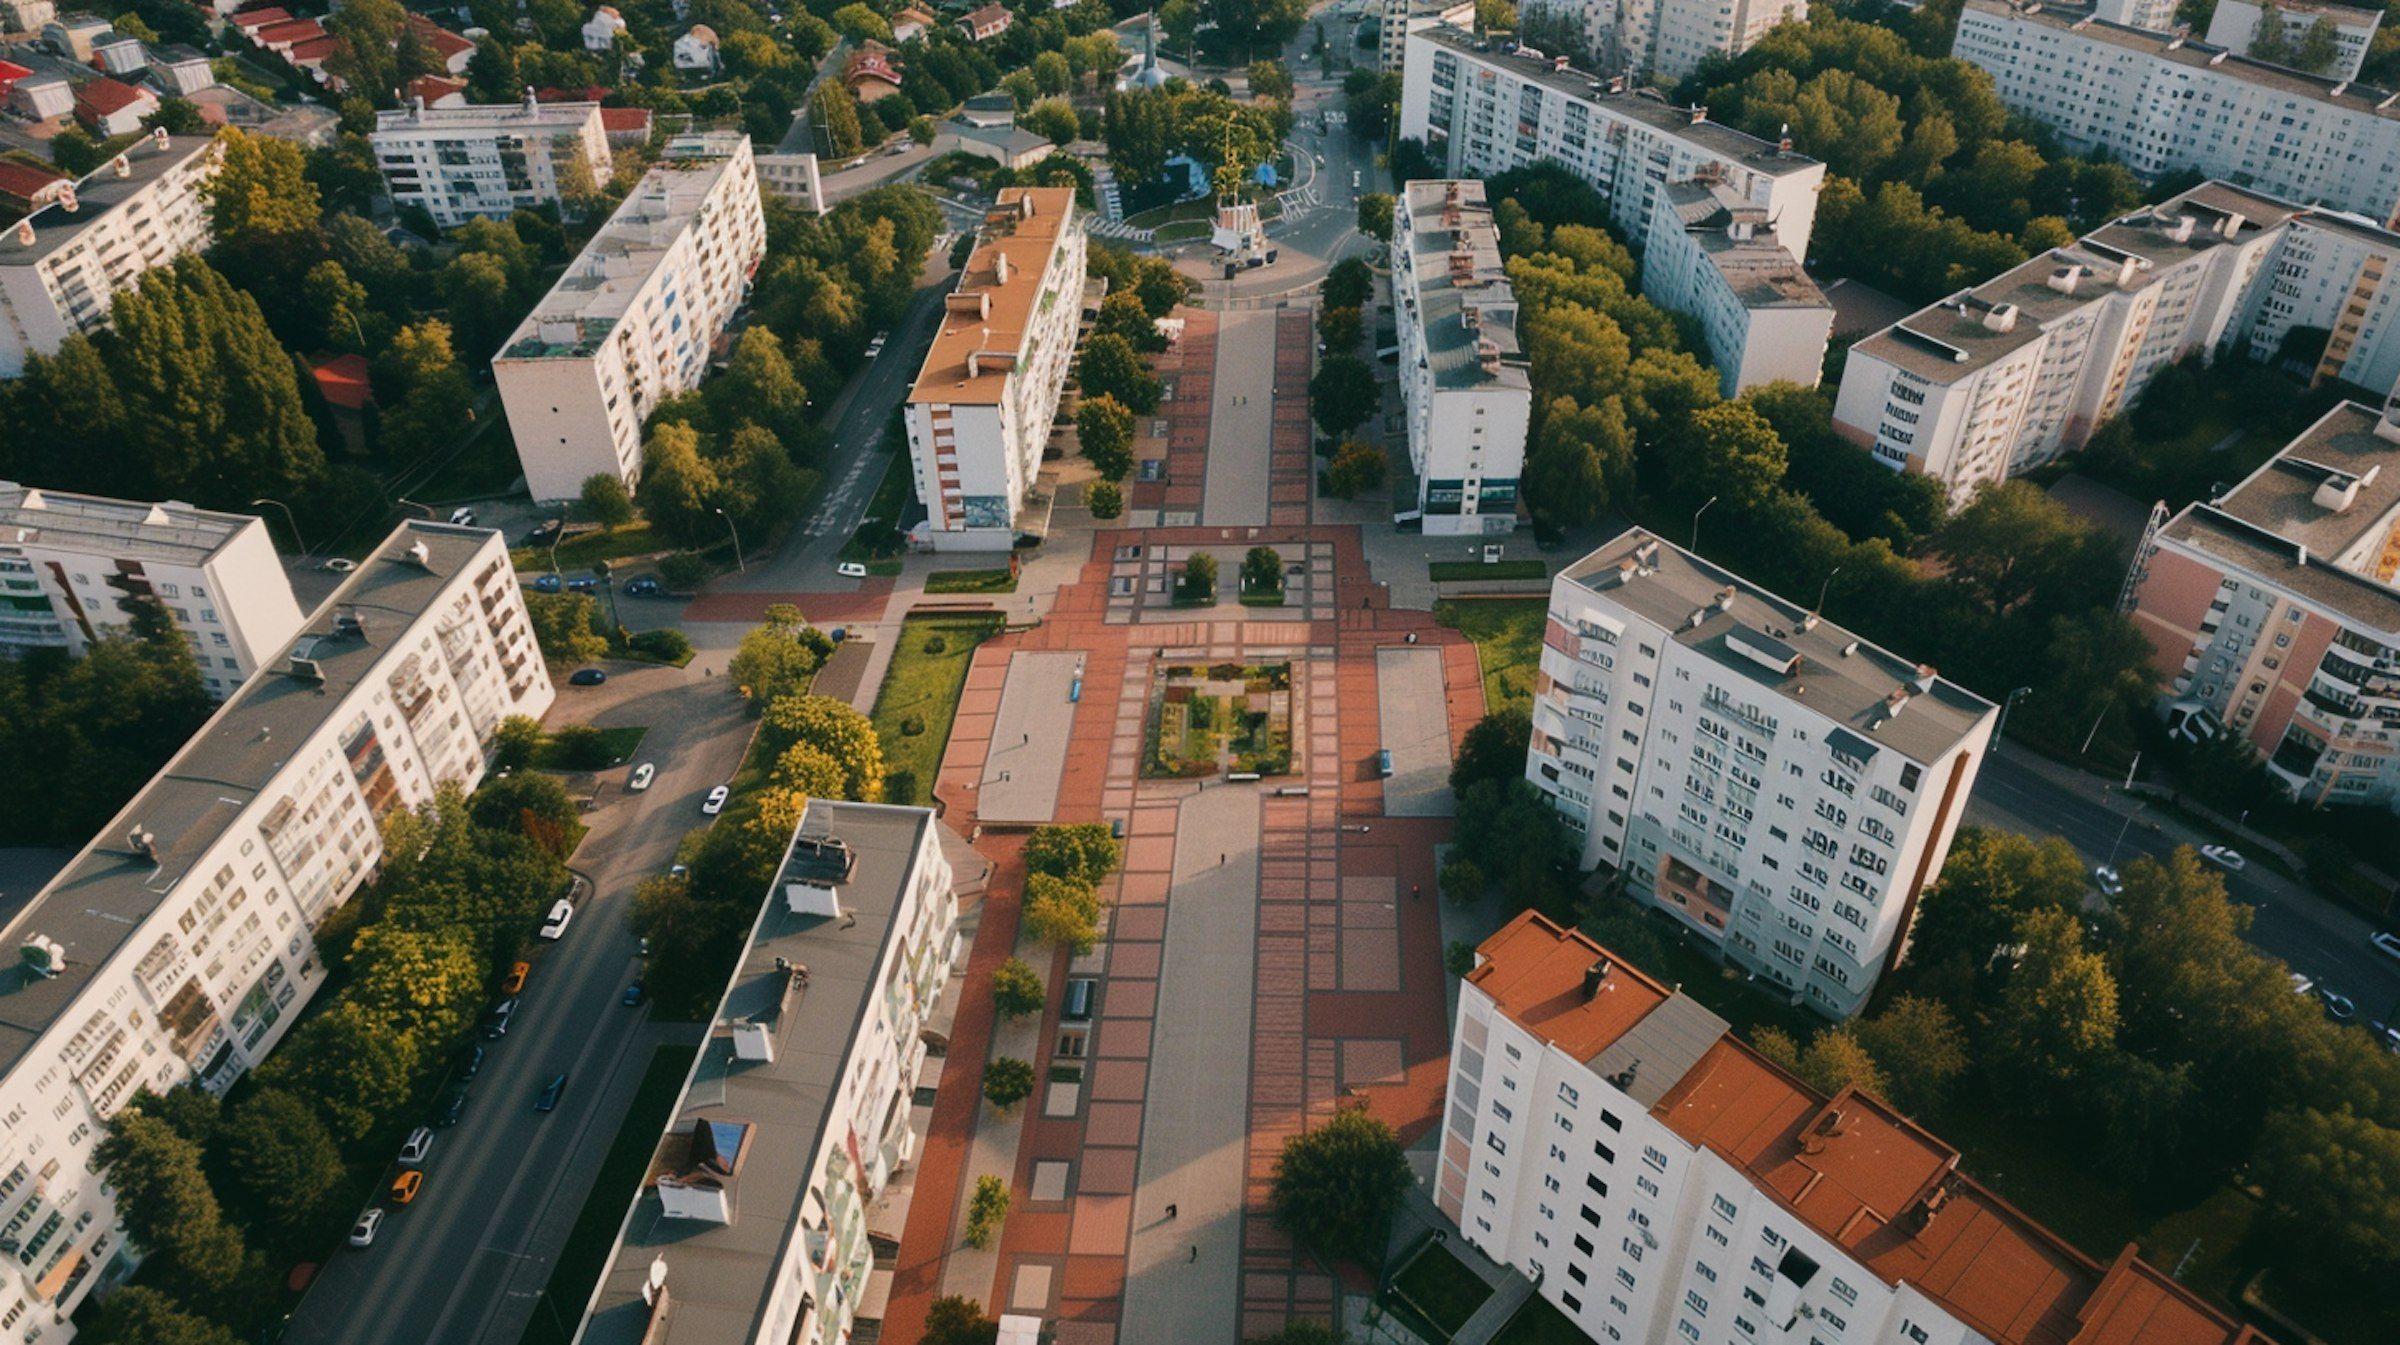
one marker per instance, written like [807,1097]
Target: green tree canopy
[1338,1186]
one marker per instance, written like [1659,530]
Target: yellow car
[516,978]
[406,1185]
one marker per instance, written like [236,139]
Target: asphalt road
[2313,934]
[465,1262]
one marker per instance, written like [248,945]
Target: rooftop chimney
[1594,976]
[143,843]
[1923,681]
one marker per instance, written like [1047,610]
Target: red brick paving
[1291,469]
[1192,364]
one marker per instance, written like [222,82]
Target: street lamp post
[403,499]
[2001,726]
[288,519]
[1696,513]
[738,565]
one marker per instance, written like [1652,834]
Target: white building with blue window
[635,319]
[1775,783]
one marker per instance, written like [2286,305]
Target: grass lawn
[583,550]
[620,743]
[1508,640]
[488,465]
[1463,571]
[971,581]
[585,1256]
[1540,1322]
[921,689]
[1441,1287]
[1273,599]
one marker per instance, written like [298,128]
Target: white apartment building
[2272,612]
[1396,19]
[1659,1181]
[754,1225]
[69,563]
[1716,256]
[1999,379]
[983,402]
[1462,369]
[2161,103]
[1660,40]
[2234,26]
[636,318]
[62,266]
[487,160]
[178,947]
[1773,782]
[2157,16]
[1479,113]
[793,178]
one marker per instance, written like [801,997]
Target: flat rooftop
[525,116]
[105,894]
[1960,336]
[99,192]
[2196,55]
[171,532]
[2314,517]
[984,320]
[1455,265]
[1715,138]
[1852,1168]
[600,285]
[718,1274]
[1839,676]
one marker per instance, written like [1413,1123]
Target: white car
[875,347]
[339,565]
[2303,985]
[641,777]
[418,1144]
[555,927]
[850,569]
[2224,857]
[362,1233]
[2107,880]
[715,802]
[2389,943]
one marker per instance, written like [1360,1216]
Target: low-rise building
[179,946]
[2272,612]
[1717,257]
[2236,25]
[181,71]
[986,23]
[911,23]
[69,564]
[982,406]
[625,127]
[1607,1137]
[41,97]
[26,16]
[62,265]
[600,31]
[793,178]
[1780,787]
[452,50]
[489,160]
[26,187]
[636,318]
[697,48]
[1008,144]
[1480,111]
[120,55]
[758,1218]
[1462,365]
[874,72]
[109,108]
[74,35]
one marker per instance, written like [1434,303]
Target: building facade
[2235,25]
[1717,257]
[69,563]
[488,160]
[62,266]
[2272,612]
[1658,1180]
[2161,103]
[1483,112]
[983,403]
[757,1222]
[1779,786]
[178,947]
[1462,369]
[635,319]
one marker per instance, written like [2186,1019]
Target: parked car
[452,1106]
[362,1233]
[644,587]
[850,569]
[339,565]
[2337,1005]
[634,995]
[463,516]
[641,777]
[715,802]
[2224,857]
[561,912]
[418,1144]
[2303,985]
[515,980]
[547,583]
[495,1023]
[548,1101]
[2388,942]
[2107,880]
[585,585]
[875,347]
[471,1064]
[2386,1034]
[588,677]
[406,1185]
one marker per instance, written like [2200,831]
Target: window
[1633,1251]
[1550,1182]
[1684,1327]
[1609,1119]
[1575,1273]
[1844,1292]
[1583,1244]
[1590,1216]
[1568,1095]
[1573,1303]
[1625,1277]
[1913,1332]
[1656,1160]
[1497,1145]
[1599,1187]
[1724,1208]
[1717,1236]
[1606,1154]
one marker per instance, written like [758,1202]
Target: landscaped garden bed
[1231,717]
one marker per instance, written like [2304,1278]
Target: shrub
[1106,499]
[989,1205]
[936,644]
[580,747]
[1017,989]
[1007,1082]
[911,725]
[669,645]
[900,787]
[684,571]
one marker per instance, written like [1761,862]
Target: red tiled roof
[292,31]
[624,120]
[590,94]
[445,43]
[434,88]
[2137,1305]
[343,380]
[1534,970]
[260,18]
[11,72]
[314,50]
[25,180]
[101,97]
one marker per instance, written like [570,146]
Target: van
[1080,991]
[1383,763]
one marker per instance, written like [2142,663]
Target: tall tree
[1104,430]
[282,1162]
[1337,1186]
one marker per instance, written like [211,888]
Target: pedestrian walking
[1170,1209]
[1415,890]
[1195,1253]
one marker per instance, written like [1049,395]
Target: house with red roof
[984,24]
[625,127]
[911,23]
[454,51]
[871,72]
[435,91]
[10,73]
[282,37]
[25,187]
[109,107]
[251,20]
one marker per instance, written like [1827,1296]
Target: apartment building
[1462,367]
[1997,380]
[62,266]
[1659,41]
[69,564]
[1481,112]
[1396,19]
[2161,103]
[983,403]
[636,318]
[178,947]
[488,160]
[757,1222]
[2272,612]
[1716,256]
[2157,16]
[1658,1180]
[793,178]
[2235,25]
[1776,784]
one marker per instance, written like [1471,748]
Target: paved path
[1028,755]
[1242,420]
[1407,680]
